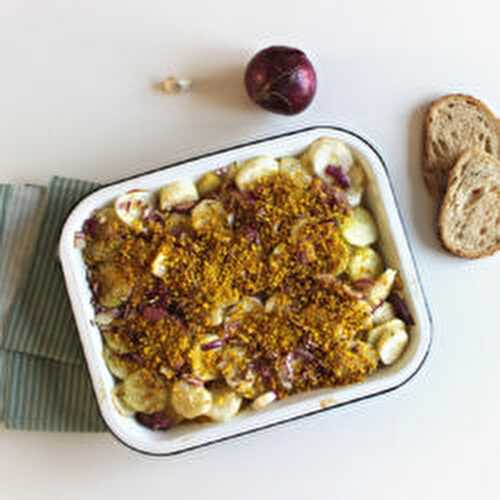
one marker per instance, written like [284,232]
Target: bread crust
[454,172]
[429,172]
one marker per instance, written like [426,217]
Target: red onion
[339,176]
[133,357]
[193,381]
[304,354]
[230,328]
[79,240]
[251,234]
[152,313]
[90,227]
[281,79]
[158,421]
[285,371]
[351,292]
[184,207]
[215,344]
[335,196]
[401,309]
[363,284]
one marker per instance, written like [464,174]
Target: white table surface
[76,99]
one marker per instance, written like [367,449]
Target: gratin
[260,280]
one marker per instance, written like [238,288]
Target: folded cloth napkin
[44,384]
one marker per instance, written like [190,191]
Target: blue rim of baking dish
[314,412]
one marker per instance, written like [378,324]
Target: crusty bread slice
[469,220]
[453,124]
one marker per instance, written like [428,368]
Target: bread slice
[453,124]
[469,220]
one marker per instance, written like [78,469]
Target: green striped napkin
[44,384]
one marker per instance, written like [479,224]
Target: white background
[77,98]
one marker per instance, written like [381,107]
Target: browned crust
[464,158]
[428,172]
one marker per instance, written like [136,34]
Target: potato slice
[158,266]
[292,167]
[208,214]
[381,288]
[133,207]
[225,404]
[207,183]
[236,372]
[376,333]
[190,400]
[255,169]
[365,263]
[264,400]
[177,223]
[121,366]
[114,287]
[328,151]
[383,313]
[354,196]
[246,305]
[277,302]
[392,344]
[203,360]
[359,229]
[143,391]
[354,193]
[177,192]
[118,341]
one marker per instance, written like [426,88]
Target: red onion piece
[335,196]
[230,328]
[133,357]
[152,313]
[251,234]
[339,176]
[184,207]
[285,371]
[90,227]
[363,284]
[281,79]
[401,308]
[158,421]
[194,381]
[351,292]
[79,240]
[215,344]
[304,354]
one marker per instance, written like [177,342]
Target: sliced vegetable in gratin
[257,281]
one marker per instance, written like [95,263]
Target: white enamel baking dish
[395,246]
